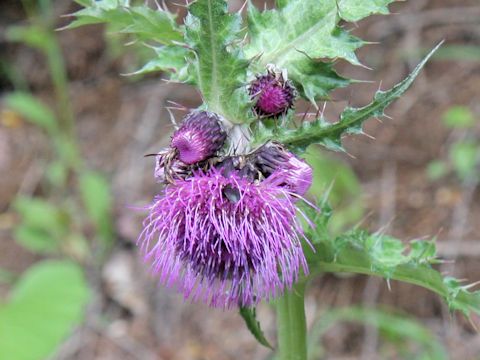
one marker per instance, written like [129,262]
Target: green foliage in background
[44,305]
[464,152]
[333,176]
[406,336]
[49,299]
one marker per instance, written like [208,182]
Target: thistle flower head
[292,172]
[199,137]
[225,240]
[272,93]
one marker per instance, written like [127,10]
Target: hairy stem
[291,324]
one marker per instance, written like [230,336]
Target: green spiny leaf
[355,10]
[143,23]
[351,120]
[315,79]
[219,69]
[380,255]
[301,28]
[250,317]
[300,32]
[171,59]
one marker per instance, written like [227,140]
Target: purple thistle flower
[273,94]
[224,240]
[199,137]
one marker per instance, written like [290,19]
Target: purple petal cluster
[224,240]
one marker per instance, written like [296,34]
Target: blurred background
[73,133]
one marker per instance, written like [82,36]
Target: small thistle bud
[199,137]
[273,94]
[273,159]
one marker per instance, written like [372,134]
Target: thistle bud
[273,94]
[199,137]
[273,159]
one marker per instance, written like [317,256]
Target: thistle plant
[232,224]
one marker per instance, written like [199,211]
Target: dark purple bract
[200,136]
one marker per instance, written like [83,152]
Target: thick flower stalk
[225,240]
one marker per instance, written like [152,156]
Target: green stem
[291,324]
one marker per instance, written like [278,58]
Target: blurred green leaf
[43,225]
[32,110]
[436,169]
[84,2]
[40,214]
[67,151]
[36,240]
[459,53]
[57,173]
[464,156]
[396,328]
[45,305]
[345,189]
[31,35]
[250,317]
[6,277]
[96,196]
[76,246]
[458,117]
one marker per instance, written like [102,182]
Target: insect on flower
[200,136]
